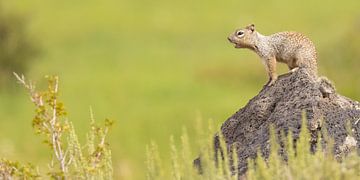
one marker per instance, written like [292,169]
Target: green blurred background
[154,66]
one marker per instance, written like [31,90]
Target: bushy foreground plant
[10,169]
[70,160]
[301,163]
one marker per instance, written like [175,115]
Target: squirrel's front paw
[271,82]
[294,69]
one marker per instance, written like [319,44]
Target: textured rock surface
[282,105]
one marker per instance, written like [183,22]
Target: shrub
[69,160]
[9,169]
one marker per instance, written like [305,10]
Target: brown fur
[291,48]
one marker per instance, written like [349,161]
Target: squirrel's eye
[239,33]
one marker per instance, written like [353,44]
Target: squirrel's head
[244,37]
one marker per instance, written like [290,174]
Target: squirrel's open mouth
[237,45]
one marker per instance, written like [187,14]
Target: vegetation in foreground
[69,160]
[300,164]
[93,160]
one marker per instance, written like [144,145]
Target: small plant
[69,160]
[182,166]
[15,169]
[301,163]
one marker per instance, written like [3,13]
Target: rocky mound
[282,105]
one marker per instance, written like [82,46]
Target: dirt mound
[282,105]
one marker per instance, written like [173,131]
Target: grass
[300,163]
[153,66]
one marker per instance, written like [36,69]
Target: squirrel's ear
[251,27]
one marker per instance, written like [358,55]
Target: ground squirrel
[291,48]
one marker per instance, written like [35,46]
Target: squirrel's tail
[311,66]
